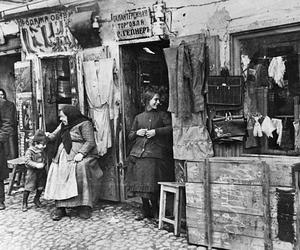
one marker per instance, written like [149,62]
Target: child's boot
[36,199]
[25,201]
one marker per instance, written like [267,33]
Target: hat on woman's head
[39,136]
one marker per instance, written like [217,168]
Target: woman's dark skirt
[143,175]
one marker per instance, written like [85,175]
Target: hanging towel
[267,127]
[278,125]
[276,70]
[257,131]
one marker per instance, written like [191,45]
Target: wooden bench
[178,190]
[18,173]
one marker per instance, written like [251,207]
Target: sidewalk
[112,226]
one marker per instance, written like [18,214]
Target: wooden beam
[266,202]
[207,202]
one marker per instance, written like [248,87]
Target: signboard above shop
[132,24]
[47,33]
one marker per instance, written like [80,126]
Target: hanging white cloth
[278,125]
[257,131]
[99,87]
[276,70]
[267,127]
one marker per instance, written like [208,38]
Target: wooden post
[207,205]
[297,179]
[266,202]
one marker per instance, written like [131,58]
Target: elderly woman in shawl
[74,172]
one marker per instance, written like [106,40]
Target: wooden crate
[242,203]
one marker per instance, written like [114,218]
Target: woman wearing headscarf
[151,158]
[74,172]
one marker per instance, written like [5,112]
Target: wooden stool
[178,190]
[18,173]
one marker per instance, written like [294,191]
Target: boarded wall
[241,203]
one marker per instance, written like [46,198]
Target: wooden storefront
[242,197]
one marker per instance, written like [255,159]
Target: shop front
[230,79]
[235,152]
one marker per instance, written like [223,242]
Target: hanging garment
[102,123]
[267,127]
[171,59]
[251,141]
[293,79]
[105,80]
[186,69]
[99,89]
[297,134]
[287,141]
[276,70]
[191,139]
[257,131]
[278,125]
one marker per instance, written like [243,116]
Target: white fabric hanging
[99,87]
[267,127]
[276,70]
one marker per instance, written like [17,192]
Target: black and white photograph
[149,125]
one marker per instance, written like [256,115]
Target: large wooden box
[242,203]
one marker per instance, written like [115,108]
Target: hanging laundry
[99,88]
[297,134]
[276,70]
[267,127]
[186,70]
[257,131]
[287,141]
[105,81]
[278,125]
[251,141]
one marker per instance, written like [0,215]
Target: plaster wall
[218,17]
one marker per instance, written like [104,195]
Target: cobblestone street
[112,226]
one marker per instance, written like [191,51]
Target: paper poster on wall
[47,33]
[23,77]
[26,120]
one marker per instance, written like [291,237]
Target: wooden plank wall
[252,202]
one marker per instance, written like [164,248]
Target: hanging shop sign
[47,33]
[132,24]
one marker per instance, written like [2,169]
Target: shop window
[271,68]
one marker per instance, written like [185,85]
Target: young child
[35,161]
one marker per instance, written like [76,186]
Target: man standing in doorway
[6,129]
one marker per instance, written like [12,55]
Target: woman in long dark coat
[11,146]
[6,129]
[151,158]
[74,173]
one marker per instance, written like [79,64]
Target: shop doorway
[143,65]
